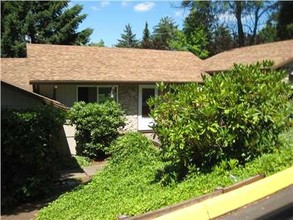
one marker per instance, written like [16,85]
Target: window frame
[97,87]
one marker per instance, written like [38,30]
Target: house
[281,53]
[69,74]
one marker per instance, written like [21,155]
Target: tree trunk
[238,12]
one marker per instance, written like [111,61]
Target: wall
[66,94]
[13,98]
[128,98]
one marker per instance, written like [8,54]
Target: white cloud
[103,4]
[145,6]
[125,3]
[95,8]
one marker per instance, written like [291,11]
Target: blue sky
[108,18]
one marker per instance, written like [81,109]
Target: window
[90,94]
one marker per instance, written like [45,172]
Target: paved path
[68,177]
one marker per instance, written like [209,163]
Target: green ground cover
[130,185]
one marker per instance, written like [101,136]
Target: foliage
[127,184]
[285,20]
[101,43]
[196,43]
[28,152]
[234,115]
[96,126]
[163,32]
[232,23]
[82,161]
[146,42]
[128,39]
[40,22]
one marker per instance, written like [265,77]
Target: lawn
[129,184]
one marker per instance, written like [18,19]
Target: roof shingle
[74,64]
[280,52]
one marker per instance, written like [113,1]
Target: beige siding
[11,98]
[66,94]
[47,90]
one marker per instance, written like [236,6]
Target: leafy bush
[237,115]
[127,184]
[96,126]
[28,153]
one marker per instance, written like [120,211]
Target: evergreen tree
[164,32]
[128,39]
[285,20]
[40,22]
[101,43]
[146,42]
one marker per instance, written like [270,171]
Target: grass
[82,161]
[128,186]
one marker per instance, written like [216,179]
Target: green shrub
[28,153]
[96,126]
[237,115]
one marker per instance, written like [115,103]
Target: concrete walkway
[68,179]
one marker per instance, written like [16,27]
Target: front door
[144,120]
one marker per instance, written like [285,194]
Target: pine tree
[285,20]
[146,42]
[128,39]
[40,22]
[163,33]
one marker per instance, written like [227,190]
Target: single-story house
[281,53]
[69,74]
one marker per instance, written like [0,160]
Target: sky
[109,18]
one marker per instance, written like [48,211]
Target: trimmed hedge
[28,154]
[96,126]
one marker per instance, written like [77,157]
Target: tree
[221,40]
[40,22]
[128,39]
[237,23]
[285,20]
[248,15]
[196,44]
[12,37]
[200,19]
[146,42]
[163,32]
[101,43]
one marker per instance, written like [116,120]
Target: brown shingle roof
[280,52]
[14,71]
[69,64]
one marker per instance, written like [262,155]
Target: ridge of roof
[280,52]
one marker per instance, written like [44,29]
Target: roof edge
[34,82]
[43,99]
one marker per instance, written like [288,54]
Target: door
[144,120]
